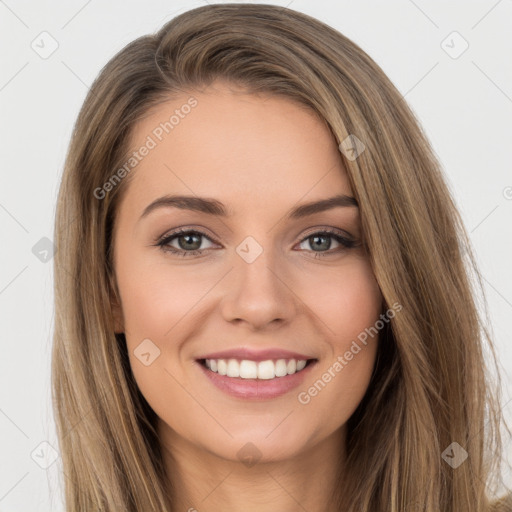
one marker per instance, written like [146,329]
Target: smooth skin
[261,156]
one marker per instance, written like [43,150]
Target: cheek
[155,304]
[349,303]
[154,299]
[348,300]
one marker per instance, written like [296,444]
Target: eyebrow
[215,207]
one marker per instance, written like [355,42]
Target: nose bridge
[258,293]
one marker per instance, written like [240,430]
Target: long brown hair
[430,387]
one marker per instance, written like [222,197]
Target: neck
[202,480]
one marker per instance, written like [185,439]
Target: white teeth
[248,369]
[300,365]
[264,370]
[222,366]
[233,368]
[281,370]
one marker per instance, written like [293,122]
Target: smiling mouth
[256,370]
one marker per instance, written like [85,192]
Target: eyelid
[330,230]
[200,230]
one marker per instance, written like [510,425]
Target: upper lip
[256,355]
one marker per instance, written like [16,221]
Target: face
[251,284]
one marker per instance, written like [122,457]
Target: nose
[259,294]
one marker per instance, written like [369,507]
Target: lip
[256,389]
[256,355]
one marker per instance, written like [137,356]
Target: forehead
[248,150]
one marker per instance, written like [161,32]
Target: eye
[323,240]
[189,243]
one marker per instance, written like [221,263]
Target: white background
[464,104]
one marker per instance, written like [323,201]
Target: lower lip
[257,389]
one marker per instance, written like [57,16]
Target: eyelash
[163,243]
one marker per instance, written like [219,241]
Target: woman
[261,296]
